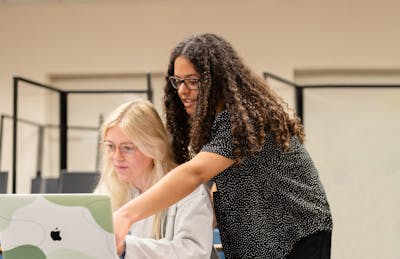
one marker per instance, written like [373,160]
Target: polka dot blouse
[270,201]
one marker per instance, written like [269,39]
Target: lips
[120,168]
[188,102]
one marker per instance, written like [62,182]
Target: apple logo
[55,235]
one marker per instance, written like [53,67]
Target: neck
[143,183]
[220,106]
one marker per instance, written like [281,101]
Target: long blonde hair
[142,125]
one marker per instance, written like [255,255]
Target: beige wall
[80,37]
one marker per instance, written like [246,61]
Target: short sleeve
[221,136]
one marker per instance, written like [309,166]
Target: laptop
[56,226]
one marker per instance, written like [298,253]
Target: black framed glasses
[190,83]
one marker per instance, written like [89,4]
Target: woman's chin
[189,110]
[123,178]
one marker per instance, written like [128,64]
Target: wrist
[121,250]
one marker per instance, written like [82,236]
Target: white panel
[352,134]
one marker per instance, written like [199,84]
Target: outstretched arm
[188,231]
[176,185]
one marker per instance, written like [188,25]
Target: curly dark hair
[253,105]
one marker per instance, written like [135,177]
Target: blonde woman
[136,155]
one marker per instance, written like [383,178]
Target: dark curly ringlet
[253,105]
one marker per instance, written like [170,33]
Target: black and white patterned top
[270,201]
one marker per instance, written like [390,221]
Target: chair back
[44,185]
[78,182]
[3,181]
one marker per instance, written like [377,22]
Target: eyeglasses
[190,83]
[125,149]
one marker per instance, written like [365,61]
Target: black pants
[315,246]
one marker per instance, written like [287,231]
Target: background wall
[355,149]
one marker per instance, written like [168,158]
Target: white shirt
[188,231]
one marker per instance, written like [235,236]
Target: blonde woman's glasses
[125,149]
[190,83]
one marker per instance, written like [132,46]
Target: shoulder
[223,116]
[101,189]
[221,124]
[221,139]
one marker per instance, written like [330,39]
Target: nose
[182,88]
[118,154]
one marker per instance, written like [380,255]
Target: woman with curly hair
[228,125]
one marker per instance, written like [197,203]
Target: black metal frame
[299,90]
[63,124]
[41,129]
[299,107]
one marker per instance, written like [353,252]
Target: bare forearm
[170,189]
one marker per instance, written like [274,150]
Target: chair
[44,185]
[3,182]
[78,182]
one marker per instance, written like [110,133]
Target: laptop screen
[50,226]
